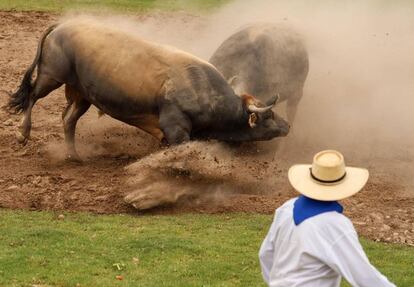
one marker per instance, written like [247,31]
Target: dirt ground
[36,176]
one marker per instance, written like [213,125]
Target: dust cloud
[359,93]
[358,96]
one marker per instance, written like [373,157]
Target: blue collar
[305,207]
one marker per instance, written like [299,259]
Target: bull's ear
[237,84]
[273,100]
[252,120]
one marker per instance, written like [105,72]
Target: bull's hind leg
[77,106]
[42,87]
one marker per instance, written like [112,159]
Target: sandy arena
[251,178]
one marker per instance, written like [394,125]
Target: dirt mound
[210,171]
[202,177]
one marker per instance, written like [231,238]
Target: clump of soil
[210,171]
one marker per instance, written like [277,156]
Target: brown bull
[168,93]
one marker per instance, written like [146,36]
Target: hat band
[326,181]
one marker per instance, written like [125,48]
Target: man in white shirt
[310,242]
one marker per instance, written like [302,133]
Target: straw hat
[328,178]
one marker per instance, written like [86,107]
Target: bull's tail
[19,101]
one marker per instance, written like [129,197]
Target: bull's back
[110,66]
[117,71]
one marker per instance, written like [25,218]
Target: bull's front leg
[292,104]
[175,125]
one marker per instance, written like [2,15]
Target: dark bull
[168,93]
[265,59]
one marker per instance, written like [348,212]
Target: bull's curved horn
[269,105]
[273,100]
[232,80]
[255,109]
[277,98]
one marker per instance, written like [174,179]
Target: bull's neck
[237,115]
[243,114]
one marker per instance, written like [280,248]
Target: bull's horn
[277,98]
[232,80]
[273,100]
[255,109]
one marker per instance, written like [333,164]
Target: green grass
[117,5]
[185,250]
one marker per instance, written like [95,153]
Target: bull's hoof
[21,139]
[164,143]
[73,158]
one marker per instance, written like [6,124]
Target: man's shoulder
[287,205]
[333,217]
[333,223]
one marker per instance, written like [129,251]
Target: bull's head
[264,123]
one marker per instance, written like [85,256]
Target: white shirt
[315,253]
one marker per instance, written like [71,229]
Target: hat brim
[301,180]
